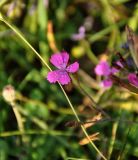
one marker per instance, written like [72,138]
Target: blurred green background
[49,26]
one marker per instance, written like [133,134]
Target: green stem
[69,103]
[105,31]
[86,134]
[89,52]
[112,142]
[30,132]
[28,44]
[19,120]
[39,56]
[18,117]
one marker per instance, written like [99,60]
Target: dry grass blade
[93,120]
[86,124]
[93,137]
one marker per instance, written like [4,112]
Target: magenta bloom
[102,69]
[107,83]
[133,79]
[61,75]
[80,35]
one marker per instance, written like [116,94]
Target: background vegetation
[49,26]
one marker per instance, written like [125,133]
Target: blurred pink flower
[133,79]
[60,60]
[102,69]
[107,83]
[80,35]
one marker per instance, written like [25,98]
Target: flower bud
[8,93]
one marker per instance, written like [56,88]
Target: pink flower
[102,69]
[133,79]
[61,75]
[80,35]
[114,69]
[107,83]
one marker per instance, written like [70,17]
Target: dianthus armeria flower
[104,69]
[61,75]
[133,79]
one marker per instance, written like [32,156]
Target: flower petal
[102,69]
[133,79]
[60,60]
[116,69]
[52,76]
[80,35]
[73,67]
[107,83]
[77,36]
[63,77]
[60,76]
[65,57]
[56,60]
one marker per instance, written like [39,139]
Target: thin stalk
[91,142]
[41,59]
[82,127]
[102,33]
[31,132]
[69,103]
[27,43]
[89,52]
[19,120]
[120,157]
[112,142]
[18,117]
